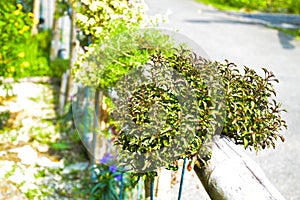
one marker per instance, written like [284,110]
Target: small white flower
[82,17]
[98,30]
[86,2]
[95,5]
[92,21]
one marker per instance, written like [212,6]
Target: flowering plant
[109,180]
[100,21]
[15,26]
[100,18]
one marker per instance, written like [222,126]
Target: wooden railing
[232,175]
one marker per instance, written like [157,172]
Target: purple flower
[105,158]
[118,177]
[112,168]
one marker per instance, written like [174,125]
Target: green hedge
[282,6]
[21,53]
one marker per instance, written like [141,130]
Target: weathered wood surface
[63,91]
[232,175]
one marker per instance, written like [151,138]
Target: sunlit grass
[289,7]
[219,6]
[225,7]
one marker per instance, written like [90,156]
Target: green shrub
[289,6]
[58,66]
[250,115]
[229,102]
[36,56]
[127,50]
[237,104]
[101,22]
[253,115]
[15,26]
[21,54]
[101,19]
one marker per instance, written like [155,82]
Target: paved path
[245,42]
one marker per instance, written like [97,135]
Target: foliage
[293,32]
[15,26]
[58,66]
[250,117]
[100,19]
[36,61]
[62,8]
[4,116]
[21,54]
[114,58]
[253,115]
[289,6]
[171,130]
[238,105]
[60,146]
[109,180]
[103,21]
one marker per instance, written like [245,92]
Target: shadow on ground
[285,40]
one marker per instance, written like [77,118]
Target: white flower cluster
[100,19]
[97,16]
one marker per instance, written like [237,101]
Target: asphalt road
[246,42]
